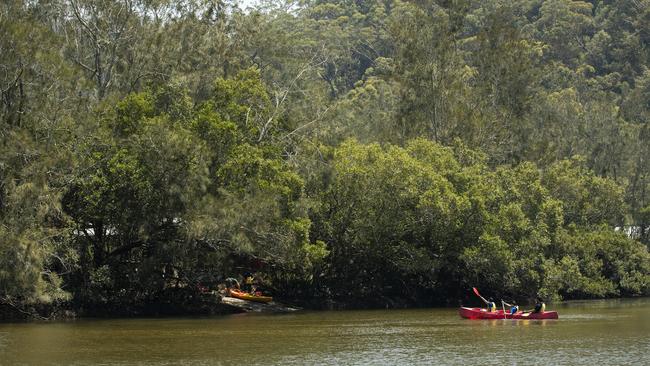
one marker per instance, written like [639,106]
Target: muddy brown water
[612,332]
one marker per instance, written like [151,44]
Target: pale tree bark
[102,31]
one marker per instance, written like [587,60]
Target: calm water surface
[587,333]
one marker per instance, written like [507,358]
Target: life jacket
[514,309]
[491,306]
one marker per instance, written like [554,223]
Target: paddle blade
[476,292]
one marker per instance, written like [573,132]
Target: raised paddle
[479,295]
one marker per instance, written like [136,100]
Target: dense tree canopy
[366,153]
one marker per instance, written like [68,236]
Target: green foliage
[132,111]
[370,220]
[244,101]
[34,160]
[588,200]
[565,26]
[490,262]
[595,264]
[371,153]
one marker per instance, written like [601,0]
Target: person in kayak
[539,306]
[247,284]
[513,307]
[491,306]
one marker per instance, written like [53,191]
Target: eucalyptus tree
[430,70]
[503,71]
[100,32]
[636,111]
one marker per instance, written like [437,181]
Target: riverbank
[207,304]
[179,304]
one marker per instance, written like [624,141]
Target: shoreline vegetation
[206,305]
[350,154]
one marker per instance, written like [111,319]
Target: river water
[613,332]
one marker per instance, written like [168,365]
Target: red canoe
[478,313]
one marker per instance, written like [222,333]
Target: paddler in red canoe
[540,307]
[491,306]
[513,307]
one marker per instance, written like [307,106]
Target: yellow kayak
[249,297]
